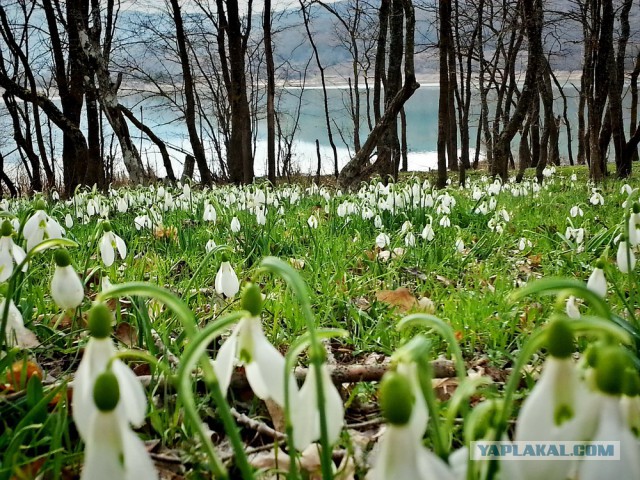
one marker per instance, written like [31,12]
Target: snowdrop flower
[235,225]
[459,245]
[382,240]
[10,253]
[261,215]
[406,227]
[482,209]
[560,406]
[247,344]
[377,222]
[596,197]
[574,177]
[626,189]
[142,221]
[625,257]
[226,279]
[427,232]
[312,221]
[576,211]
[572,309]
[40,227]
[16,334]
[109,243]
[66,287]
[597,282]
[210,245]
[410,239]
[524,243]
[445,222]
[97,355]
[613,373]
[306,411]
[210,214]
[113,450]
[68,221]
[401,453]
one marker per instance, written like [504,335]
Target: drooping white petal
[226,281]
[306,411]
[133,400]
[94,361]
[66,288]
[6,265]
[597,282]
[121,246]
[137,463]
[226,359]
[19,255]
[559,408]
[104,449]
[16,334]
[266,370]
[106,250]
[611,427]
[625,257]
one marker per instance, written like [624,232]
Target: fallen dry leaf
[400,297]
[444,387]
[127,334]
[19,375]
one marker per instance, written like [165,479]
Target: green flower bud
[252,299]
[396,398]
[62,257]
[7,229]
[106,226]
[612,363]
[480,420]
[600,263]
[560,339]
[636,207]
[106,391]
[224,257]
[100,318]
[591,355]
[39,204]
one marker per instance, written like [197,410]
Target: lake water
[422,129]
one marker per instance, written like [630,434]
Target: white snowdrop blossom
[109,244]
[596,197]
[576,211]
[210,245]
[209,214]
[382,240]
[10,253]
[459,245]
[597,282]
[571,308]
[68,221]
[227,282]
[40,227]
[66,287]
[263,363]
[410,239]
[524,243]
[16,334]
[625,257]
[306,411]
[312,221]
[427,232]
[445,222]
[97,354]
[377,222]
[235,225]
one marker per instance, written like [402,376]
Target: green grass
[470,290]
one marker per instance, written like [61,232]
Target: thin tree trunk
[271,93]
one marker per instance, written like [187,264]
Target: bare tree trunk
[305,17]
[444,117]
[532,16]
[190,110]
[164,153]
[403,140]
[271,93]
[358,168]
